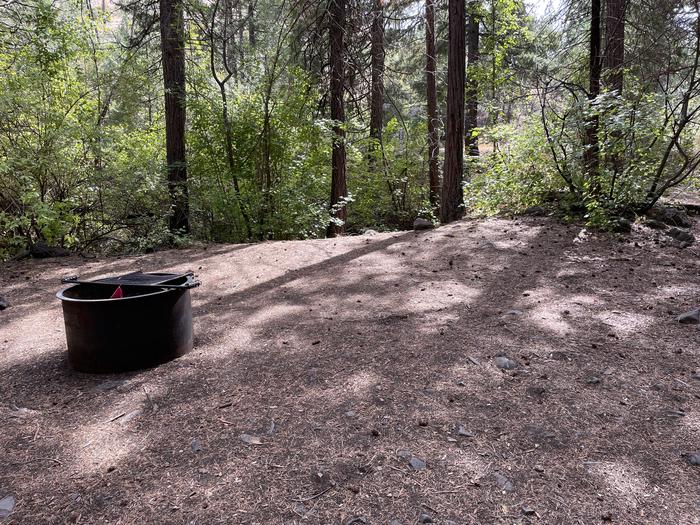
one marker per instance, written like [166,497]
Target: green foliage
[391,194]
[515,175]
[284,197]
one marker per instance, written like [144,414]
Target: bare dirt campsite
[489,371]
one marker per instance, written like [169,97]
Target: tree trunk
[377,91]
[591,154]
[339,191]
[251,24]
[614,44]
[172,41]
[431,95]
[452,199]
[471,141]
[614,65]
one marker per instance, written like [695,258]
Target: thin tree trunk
[452,198]
[228,142]
[591,153]
[339,191]
[471,141]
[228,132]
[240,22]
[377,91]
[172,41]
[431,95]
[229,37]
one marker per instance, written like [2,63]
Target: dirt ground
[366,369]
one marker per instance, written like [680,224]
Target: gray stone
[196,445]
[503,482]
[369,232]
[464,432]
[3,303]
[249,439]
[690,317]
[528,511]
[404,453]
[425,518]
[41,250]
[505,363]
[655,225]
[422,224]
[682,236]
[669,215]
[131,415]
[694,458]
[417,464]
[110,384]
[7,505]
[622,225]
[535,211]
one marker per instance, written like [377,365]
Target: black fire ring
[133,321]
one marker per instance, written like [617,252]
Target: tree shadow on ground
[346,356]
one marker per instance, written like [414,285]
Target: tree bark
[339,191]
[614,74]
[431,95]
[615,44]
[172,41]
[376,119]
[252,39]
[471,142]
[452,199]
[591,154]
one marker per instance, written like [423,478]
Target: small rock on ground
[668,215]
[425,518]
[682,236]
[503,482]
[422,224]
[535,211]
[250,440]
[694,458]
[622,225]
[689,317]
[41,250]
[462,431]
[655,225]
[7,505]
[417,463]
[505,363]
[3,303]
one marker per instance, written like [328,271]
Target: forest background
[138,124]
